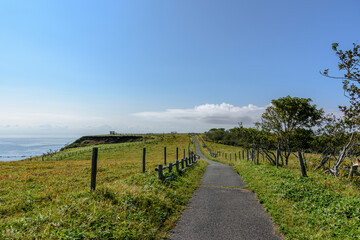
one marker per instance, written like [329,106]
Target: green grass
[316,207]
[51,199]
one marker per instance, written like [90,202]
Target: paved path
[220,209]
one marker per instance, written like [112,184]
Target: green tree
[285,117]
[216,134]
[349,61]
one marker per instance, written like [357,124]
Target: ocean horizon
[15,149]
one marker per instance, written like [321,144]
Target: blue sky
[71,68]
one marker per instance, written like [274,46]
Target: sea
[14,149]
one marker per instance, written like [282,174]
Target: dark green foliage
[241,136]
[217,135]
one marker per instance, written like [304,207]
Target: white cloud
[60,122]
[222,114]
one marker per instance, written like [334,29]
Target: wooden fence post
[144,152]
[177,165]
[164,156]
[93,168]
[160,171]
[182,164]
[177,154]
[302,165]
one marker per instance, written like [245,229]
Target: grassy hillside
[316,207]
[50,199]
[106,139]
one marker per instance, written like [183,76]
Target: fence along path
[221,209]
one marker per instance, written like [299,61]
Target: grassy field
[51,199]
[316,207]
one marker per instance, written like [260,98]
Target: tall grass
[51,199]
[316,207]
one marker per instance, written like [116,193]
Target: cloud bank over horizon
[200,118]
[197,119]
[209,114]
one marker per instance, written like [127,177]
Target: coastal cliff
[95,140]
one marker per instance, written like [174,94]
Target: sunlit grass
[317,207]
[52,193]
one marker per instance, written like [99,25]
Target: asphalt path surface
[221,209]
